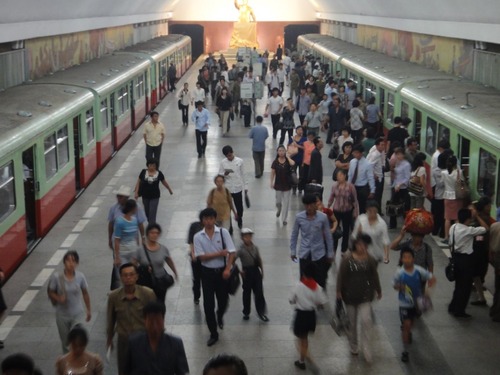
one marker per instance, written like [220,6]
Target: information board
[246,90]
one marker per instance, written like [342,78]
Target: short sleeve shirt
[126,230]
[150,185]
[282,170]
[313,120]
[154,133]
[73,291]
[275,104]
[157,259]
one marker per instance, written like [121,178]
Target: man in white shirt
[231,167]
[461,240]
[376,156]
[198,94]
[274,106]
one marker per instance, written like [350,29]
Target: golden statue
[246,12]
[245,30]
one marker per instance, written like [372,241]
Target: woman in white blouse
[451,204]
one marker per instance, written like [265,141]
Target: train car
[57,133]
[440,106]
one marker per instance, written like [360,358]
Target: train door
[30,185]
[417,125]
[112,110]
[132,104]
[77,148]
[463,154]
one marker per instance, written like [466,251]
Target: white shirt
[198,95]
[434,165]
[450,181]
[463,237]
[286,61]
[234,181]
[378,232]
[281,75]
[203,244]
[377,159]
[419,172]
[306,299]
[275,104]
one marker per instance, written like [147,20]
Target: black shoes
[405,357]
[478,303]
[462,315]
[263,317]
[246,317]
[196,301]
[212,340]
[300,365]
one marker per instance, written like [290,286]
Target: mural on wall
[50,54]
[449,55]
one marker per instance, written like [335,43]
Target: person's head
[223,92]
[154,318]
[128,274]
[347,148]
[318,143]
[361,243]
[336,101]
[372,100]
[357,151]
[208,217]
[443,158]
[398,121]
[130,207]
[302,91]
[152,164]
[222,81]
[122,194]
[289,102]
[311,134]
[451,163]
[154,116]
[411,144]
[275,92]
[418,161]
[464,216]
[186,85]
[198,84]
[299,130]
[313,107]
[228,152]
[225,364]
[346,132]
[280,151]
[355,103]
[199,105]
[407,257]
[18,364]
[78,339]
[219,180]
[309,201]
[406,121]
[483,205]
[372,209]
[341,175]
[380,144]
[71,260]
[153,232]
[259,120]
[341,89]
[443,144]
[400,153]
[246,236]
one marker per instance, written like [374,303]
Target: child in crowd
[252,274]
[306,296]
[408,281]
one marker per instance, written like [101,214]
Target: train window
[123,104]
[354,78]
[50,156]
[89,115]
[443,133]
[370,91]
[390,107]
[404,110]
[430,136]
[7,191]
[382,100]
[140,86]
[486,173]
[62,147]
[104,115]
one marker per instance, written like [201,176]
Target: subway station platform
[441,345]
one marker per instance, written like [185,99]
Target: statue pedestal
[244,35]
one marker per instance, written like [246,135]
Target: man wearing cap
[154,134]
[214,247]
[362,177]
[274,106]
[122,195]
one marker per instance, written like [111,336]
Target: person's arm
[165,183]
[181,363]
[376,280]
[354,194]
[290,160]
[371,180]
[110,234]
[136,188]
[171,264]
[273,175]
[328,239]
[293,240]
[86,300]
[341,278]
[395,243]
[332,197]
[110,323]
[54,296]
[229,264]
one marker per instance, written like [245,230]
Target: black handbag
[233,282]
[394,208]
[338,234]
[179,104]
[450,268]
[164,282]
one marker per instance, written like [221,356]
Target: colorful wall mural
[50,54]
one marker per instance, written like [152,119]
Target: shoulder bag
[450,268]
[462,190]
[164,282]
[179,104]
[233,282]
[414,186]
[59,292]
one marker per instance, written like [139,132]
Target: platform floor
[442,344]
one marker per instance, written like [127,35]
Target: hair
[229,361]
[78,333]
[444,144]
[347,129]
[71,254]
[355,103]
[464,214]
[316,140]
[398,120]
[418,161]
[152,113]
[129,206]
[362,237]
[152,161]
[399,150]
[482,203]
[220,176]
[346,144]
[410,140]
[372,204]
[372,100]
[18,362]
[379,140]
[406,121]
[311,132]
[340,170]
[127,265]
[259,119]
[226,150]
[406,249]
[443,158]
[358,147]
[309,199]
[208,212]
[154,307]
[300,126]
[152,226]
[198,103]
[451,163]
[310,270]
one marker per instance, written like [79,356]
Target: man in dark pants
[376,156]
[172,76]
[336,119]
[316,244]
[274,107]
[461,240]
[201,119]
[214,247]
[362,177]
[194,228]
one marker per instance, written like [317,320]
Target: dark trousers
[322,266]
[362,193]
[274,120]
[196,268]
[304,174]
[301,118]
[402,196]
[238,204]
[357,135]
[437,210]
[331,132]
[201,142]
[252,281]
[463,283]
[171,83]
[185,111]
[495,308]
[153,152]
[346,220]
[379,191]
[258,159]
[283,135]
[214,286]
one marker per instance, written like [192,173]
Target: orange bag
[419,221]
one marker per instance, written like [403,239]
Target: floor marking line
[68,242]
[90,213]
[25,300]
[42,277]
[7,325]
[57,257]
[81,225]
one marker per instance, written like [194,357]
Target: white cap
[246,231]
[124,191]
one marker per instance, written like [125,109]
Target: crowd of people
[349,231]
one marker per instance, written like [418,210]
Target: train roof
[29,110]
[157,48]
[374,66]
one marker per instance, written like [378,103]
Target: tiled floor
[442,345]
